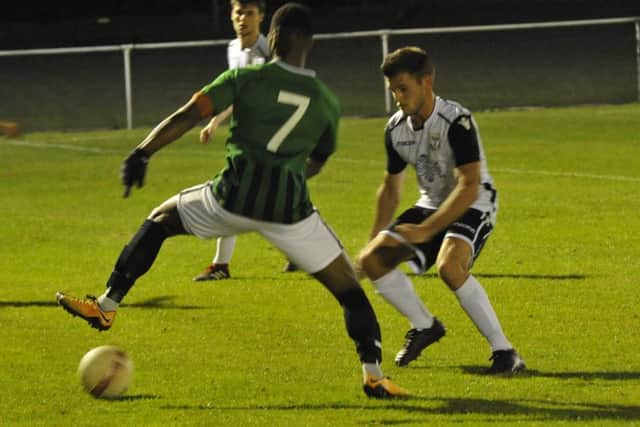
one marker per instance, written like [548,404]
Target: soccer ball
[105,372]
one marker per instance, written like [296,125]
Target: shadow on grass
[297,275]
[165,302]
[533,373]
[515,276]
[525,410]
[533,276]
[135,397]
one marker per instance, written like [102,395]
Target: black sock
[135,259]
[362,325]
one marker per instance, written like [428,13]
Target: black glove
[133,170]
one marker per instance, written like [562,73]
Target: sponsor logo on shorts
[465,226]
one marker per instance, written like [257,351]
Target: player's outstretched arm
[173,127]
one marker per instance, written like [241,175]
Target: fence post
[126,54]
[384,35]
[638,58]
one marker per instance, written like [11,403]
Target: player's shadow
[421,408]
[573,276]
[164,302]
[134,397]
[532,276]
[587,376]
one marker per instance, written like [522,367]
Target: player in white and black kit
[239,56]
[250,47]
[452,219]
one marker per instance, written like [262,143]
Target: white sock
[397,289]
[475,302]
[372,369]
[106,303]
[224,249]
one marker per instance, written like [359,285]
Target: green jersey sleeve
[222,90]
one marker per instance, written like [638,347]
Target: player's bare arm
[134,167]
[388,199]
[460,199]
[172,128]
[207,132]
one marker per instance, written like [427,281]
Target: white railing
[383,34]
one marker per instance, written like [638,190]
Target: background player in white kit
[250,47]
[451,221]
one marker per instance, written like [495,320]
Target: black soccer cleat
[417,340]
[214,272]
[506,362]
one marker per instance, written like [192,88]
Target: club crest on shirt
[434,140]
[428,171]
[422,169]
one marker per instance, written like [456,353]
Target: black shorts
[474,227]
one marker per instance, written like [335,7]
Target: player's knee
[158,213]
[360,261]
[169,219]
[370,263]
[452,272]
[338,277]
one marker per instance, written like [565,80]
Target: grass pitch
[268,348]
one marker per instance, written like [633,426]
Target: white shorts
[310,244]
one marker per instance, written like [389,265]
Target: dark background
[481,70]
[59,23]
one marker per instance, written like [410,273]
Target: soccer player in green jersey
[283,130]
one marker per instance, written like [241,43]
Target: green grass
[267,348]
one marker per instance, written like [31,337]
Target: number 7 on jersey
[301,103]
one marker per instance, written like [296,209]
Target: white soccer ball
[105,372]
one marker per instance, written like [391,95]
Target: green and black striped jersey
[282,115]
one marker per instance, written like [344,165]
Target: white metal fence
[384,35]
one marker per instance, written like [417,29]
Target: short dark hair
[289,19]
[410,59]
[261,4]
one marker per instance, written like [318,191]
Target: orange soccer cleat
[383,388]
[88,309]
